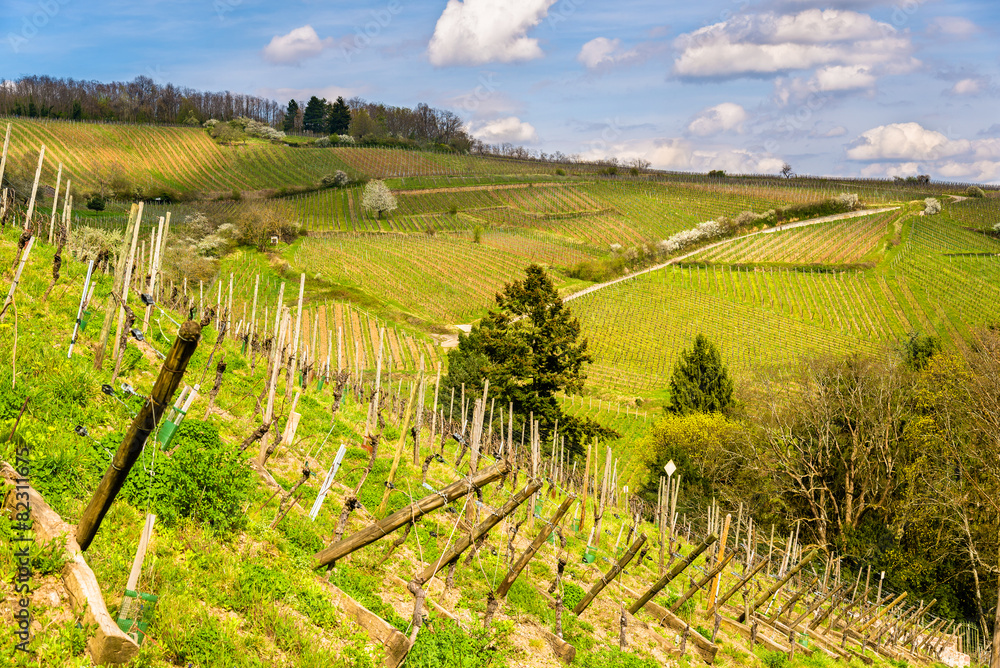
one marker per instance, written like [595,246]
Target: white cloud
[844,77]
[905,141]
[761,44]
[905,149]
[970,86]
[510,129]
[473,32]
[674,153]
[952,26]
[603,52]
[298,45]
[720,118]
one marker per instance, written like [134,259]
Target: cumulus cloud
[763,44]
[970,86]
[510,129]
[904,149]
[844,77]
[602,52]
[724,117]
[473,32]
[298,45]
[905,141]
[674,153]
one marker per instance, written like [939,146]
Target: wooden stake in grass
[17,279]
[414,511]
[55,203]
[763,598]
[34,189]
[404,426]
[142,426]
[3,157]
[610,576]
[713,589]
[293,365]
[678,568]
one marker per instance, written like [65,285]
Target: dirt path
[770,230]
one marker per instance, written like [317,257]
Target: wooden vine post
[678,568]
[382,528]
[713,588]
[763,598]
[403,428]
[142,426]
[609,577]
[293,363]
[721,601]
[508,581]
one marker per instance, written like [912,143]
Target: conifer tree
[290,114]
[339,118]
[700,382]
[314,117]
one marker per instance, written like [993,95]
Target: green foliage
[612,657]
[338,119]
[572,594]
[772,659]
[96,202]
[560,171]
[362,587]
[918,350]
[528,346]
[716,174]
[974,191]
[700,381]
[442,643]
[203,478]
[523,598]
[477,234]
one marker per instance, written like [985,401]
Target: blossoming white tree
[378,198]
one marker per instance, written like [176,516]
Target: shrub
[203,479]
[931,206]
[974,191]
[255,225]
[444,644]
[716,174]
[338,179]
[773,659]
[849,201]
[560,172]
[477,234]
[96,202]
[322,142]
[210,123]
[572,594]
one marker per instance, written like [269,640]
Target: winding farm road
[770,230]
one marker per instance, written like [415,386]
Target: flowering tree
[378,198]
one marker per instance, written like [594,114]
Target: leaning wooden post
[678,568]
[382,528]
[140,553]
[17,277]
[55,203]
[3,159]
[34,189]
[142,426]
[721,601]
[466,540]
[844,586]
[522,562]
[403,428]
[711,575]
[609,577]
[899,599]
[833,591]
[790,603]
[79,311]
[713,588]
[763,598]
[293,365]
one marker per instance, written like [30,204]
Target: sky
[874,88]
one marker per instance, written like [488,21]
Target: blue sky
[842,87]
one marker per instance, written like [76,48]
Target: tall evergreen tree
[700,382]
[530,347]
[290,114]
[313,119]
[339,119]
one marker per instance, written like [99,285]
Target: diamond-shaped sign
[670,468]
